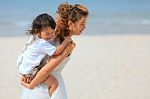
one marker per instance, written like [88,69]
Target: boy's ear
[39,35]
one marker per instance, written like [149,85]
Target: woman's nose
[84,27]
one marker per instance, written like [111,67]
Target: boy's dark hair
[42,21]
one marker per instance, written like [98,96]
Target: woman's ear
[70,23]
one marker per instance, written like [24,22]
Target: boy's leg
[52,82]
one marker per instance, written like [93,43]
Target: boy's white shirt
[33,54]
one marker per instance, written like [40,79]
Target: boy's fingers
[74,45]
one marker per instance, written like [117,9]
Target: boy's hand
[73,44]
[69,48]
[68,39]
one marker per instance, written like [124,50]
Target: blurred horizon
[107,17]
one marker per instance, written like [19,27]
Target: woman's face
[78,26]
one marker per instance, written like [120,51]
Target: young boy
[38,46]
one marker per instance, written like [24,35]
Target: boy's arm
[62,46]
[45,71]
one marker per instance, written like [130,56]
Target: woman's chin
[79,33]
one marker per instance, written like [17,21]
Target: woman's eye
[82,24]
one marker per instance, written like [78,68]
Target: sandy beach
[101,67]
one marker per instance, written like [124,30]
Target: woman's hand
[68,39]
[25,81]
[26,85]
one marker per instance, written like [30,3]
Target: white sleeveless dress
[41,91]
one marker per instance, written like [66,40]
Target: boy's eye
[46,33]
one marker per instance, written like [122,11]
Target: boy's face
[47,34]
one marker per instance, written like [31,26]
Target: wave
[23,23]
[125,22]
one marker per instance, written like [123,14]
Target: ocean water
[107,17]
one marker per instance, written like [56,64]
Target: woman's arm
[45,71]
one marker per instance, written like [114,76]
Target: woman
[71,20]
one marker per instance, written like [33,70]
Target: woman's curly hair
[66,12]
